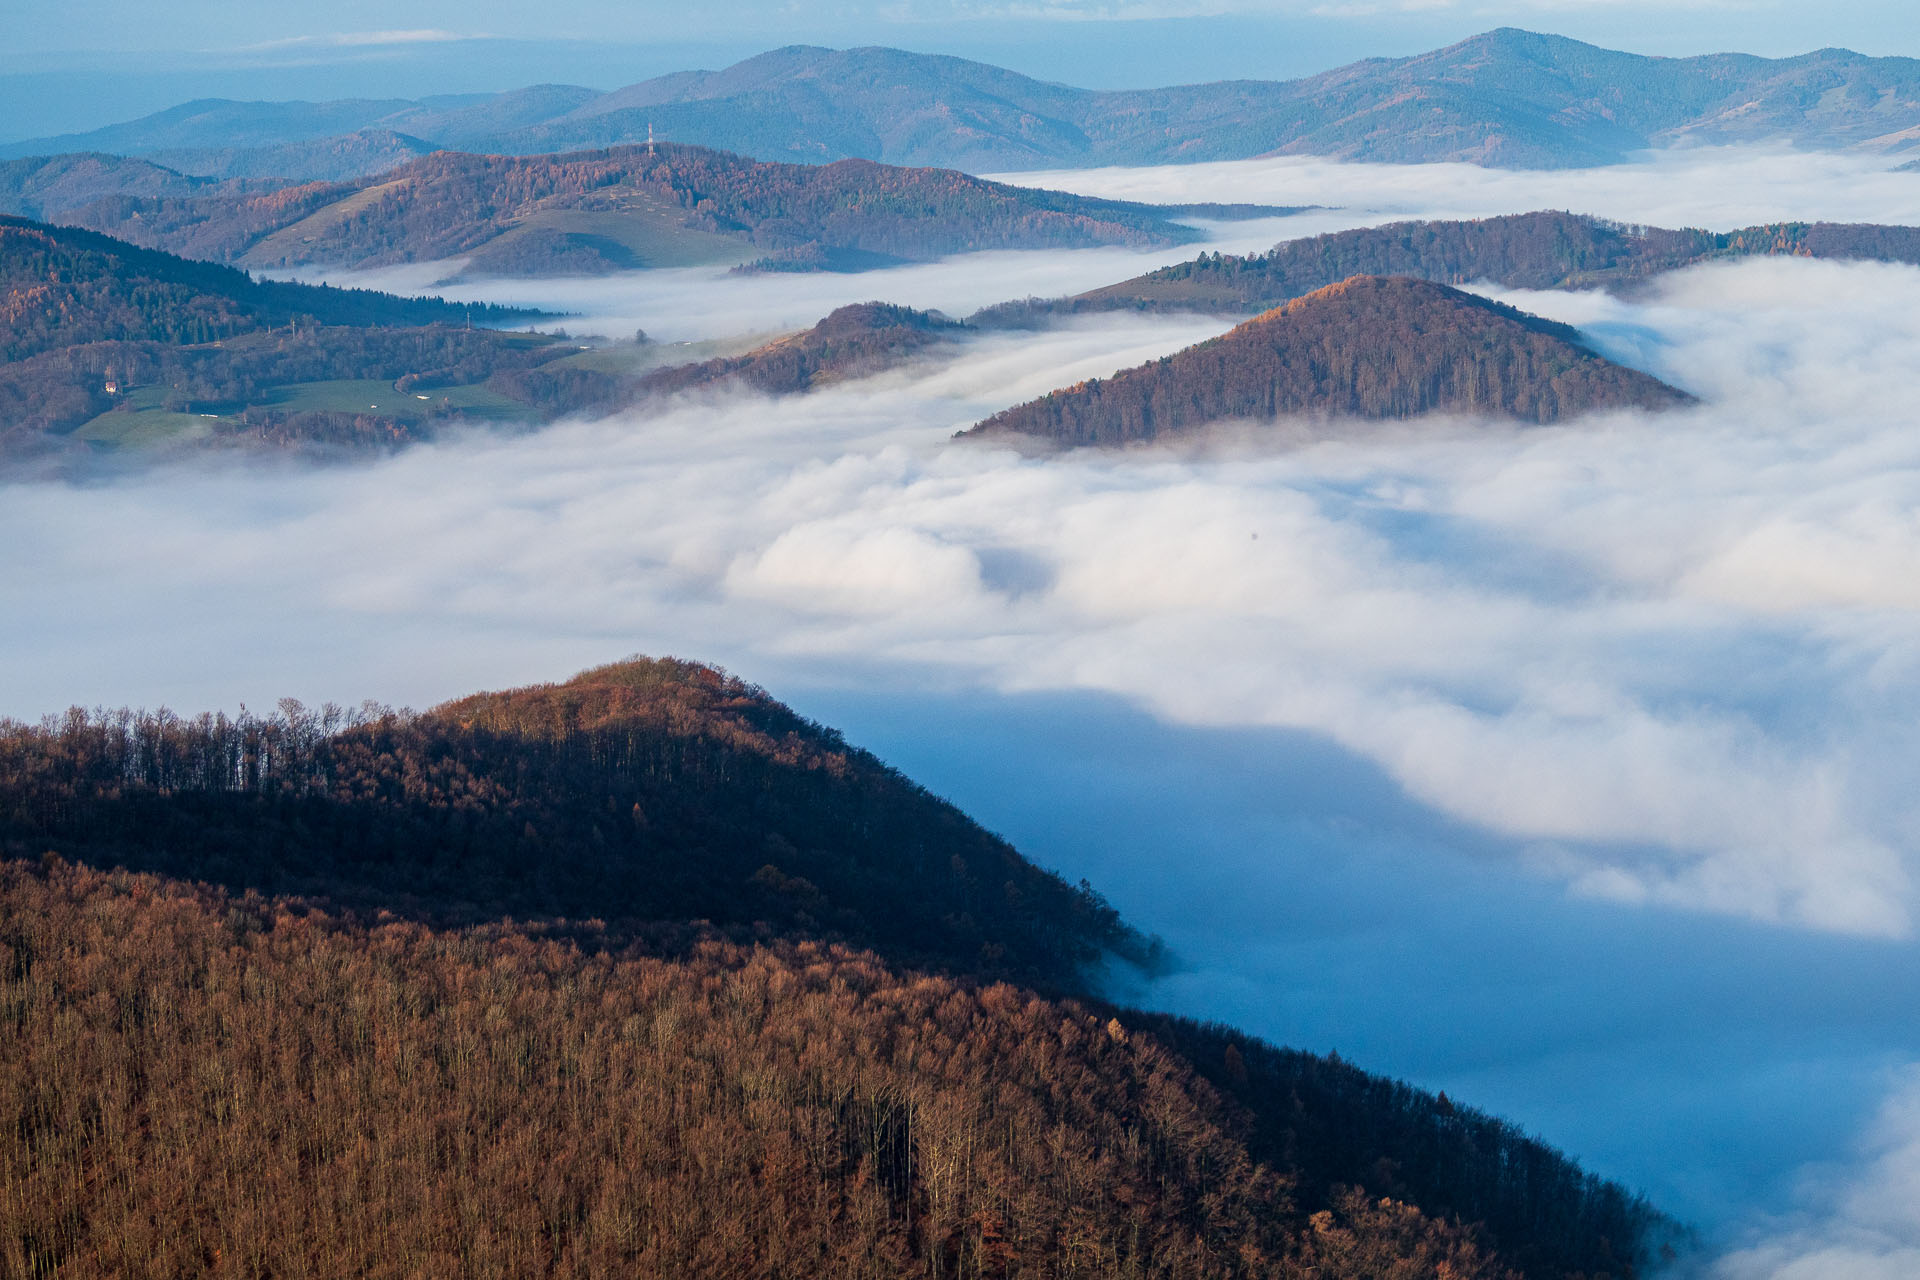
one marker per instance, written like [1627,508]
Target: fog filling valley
[1565,769]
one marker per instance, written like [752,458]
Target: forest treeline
[1369,347]
[643,974]
[1544,250]
[450,204]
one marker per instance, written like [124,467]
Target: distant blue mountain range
[1508,98]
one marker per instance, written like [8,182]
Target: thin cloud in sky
[362,39]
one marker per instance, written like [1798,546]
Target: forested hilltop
[643,974]
[1369,347]
[1543,250]
[626,207]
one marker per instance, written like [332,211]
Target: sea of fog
[1566,769]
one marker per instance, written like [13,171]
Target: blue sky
[84,63]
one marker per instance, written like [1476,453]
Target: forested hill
[626,207]
[441,991]
[1506,98]
[853,342]
[61,287]
[1543,250]
[1369,347]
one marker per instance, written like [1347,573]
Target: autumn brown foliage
[202,1085]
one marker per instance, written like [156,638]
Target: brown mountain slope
[642,974]
[1370,347]
[632,207]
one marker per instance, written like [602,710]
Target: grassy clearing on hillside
[376,396]
[143,428]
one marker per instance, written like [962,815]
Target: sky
[1567,770]
[80,64]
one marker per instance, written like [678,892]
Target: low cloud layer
[1715,187]
[1864,1223]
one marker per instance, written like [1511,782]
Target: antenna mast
[649,137]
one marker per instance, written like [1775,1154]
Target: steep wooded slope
[1370,347]
[1542,250]
[375,1045]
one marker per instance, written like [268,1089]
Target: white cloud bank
[1866,1224]
[1674,654]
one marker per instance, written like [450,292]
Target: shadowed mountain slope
[391,1010]
[1370,347]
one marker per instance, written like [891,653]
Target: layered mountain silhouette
[1369,347]
[1505,98]
[1543,250]
[645,974]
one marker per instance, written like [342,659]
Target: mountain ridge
[1505,98]
[625,207]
